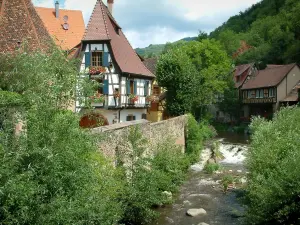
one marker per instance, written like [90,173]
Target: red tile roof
[150,63]
[269,77]
[66,39]
[103,27]
[20,23]
[239,70]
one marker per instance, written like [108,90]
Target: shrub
[211,167]
[52,172]
[196,135]
[150,176]
[274,166]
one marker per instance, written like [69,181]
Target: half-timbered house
[108,58]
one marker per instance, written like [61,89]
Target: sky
[146,22]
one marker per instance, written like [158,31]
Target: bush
[196,135]
[52,172]
[274,166]
[211,167]
[149,176]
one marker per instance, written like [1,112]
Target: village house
[156,112]
[264,91]
[125,84]
[36,27]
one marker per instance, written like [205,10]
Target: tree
[230,103]
[273,188]
[52,172]
[193,74]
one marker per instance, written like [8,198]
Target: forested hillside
[156,50]
[271,27]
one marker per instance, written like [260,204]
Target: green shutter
[128,87]
[105,62]
[135,87]
[105,87]
[146,90]
[87,56]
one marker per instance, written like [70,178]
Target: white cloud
[158,21]
[155,35]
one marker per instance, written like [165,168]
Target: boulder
[196,212]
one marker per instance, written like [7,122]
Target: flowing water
[202,190]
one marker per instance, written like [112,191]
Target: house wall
[115,138]
[286,86]
[116,81]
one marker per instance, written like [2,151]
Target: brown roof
[103,27]
[66,39]
[239,70]
[150,63]
[20,23]
[269,77]
[293,95]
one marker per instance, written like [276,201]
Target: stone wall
[115,137]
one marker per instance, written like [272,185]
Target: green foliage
[193,73]
[226,181]
[150,51]
[10,99]
[273,162]
[270,26]
[211,167]
[196,135]
[148,177]
[52,172]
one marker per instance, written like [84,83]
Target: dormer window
[97,58]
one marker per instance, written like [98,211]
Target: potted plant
[98,98]
[95,70]
[151,98]
[133,98]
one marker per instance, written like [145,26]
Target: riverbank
[206,191]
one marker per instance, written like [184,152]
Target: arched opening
[93,120]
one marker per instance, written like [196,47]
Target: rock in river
[203,223]
[196,212]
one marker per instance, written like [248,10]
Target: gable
[20,23]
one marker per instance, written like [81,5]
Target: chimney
[110,4]
[57,9]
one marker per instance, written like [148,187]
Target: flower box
[95,70]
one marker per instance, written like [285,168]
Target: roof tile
[269,77]
[66,39]
[102,26]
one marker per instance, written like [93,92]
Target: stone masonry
[115,136]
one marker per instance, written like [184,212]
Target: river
[202,190]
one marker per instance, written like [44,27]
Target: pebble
[196,212]
[230,171]
[239,171]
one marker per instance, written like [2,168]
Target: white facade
[116,109]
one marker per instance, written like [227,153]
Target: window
[144,116]
[253,93]
[257,94]
[156,90]
[97,57]
[130,117]
[131,87]
[266,93]
[261,93]
[271,92]
[244,94]
[249,94]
